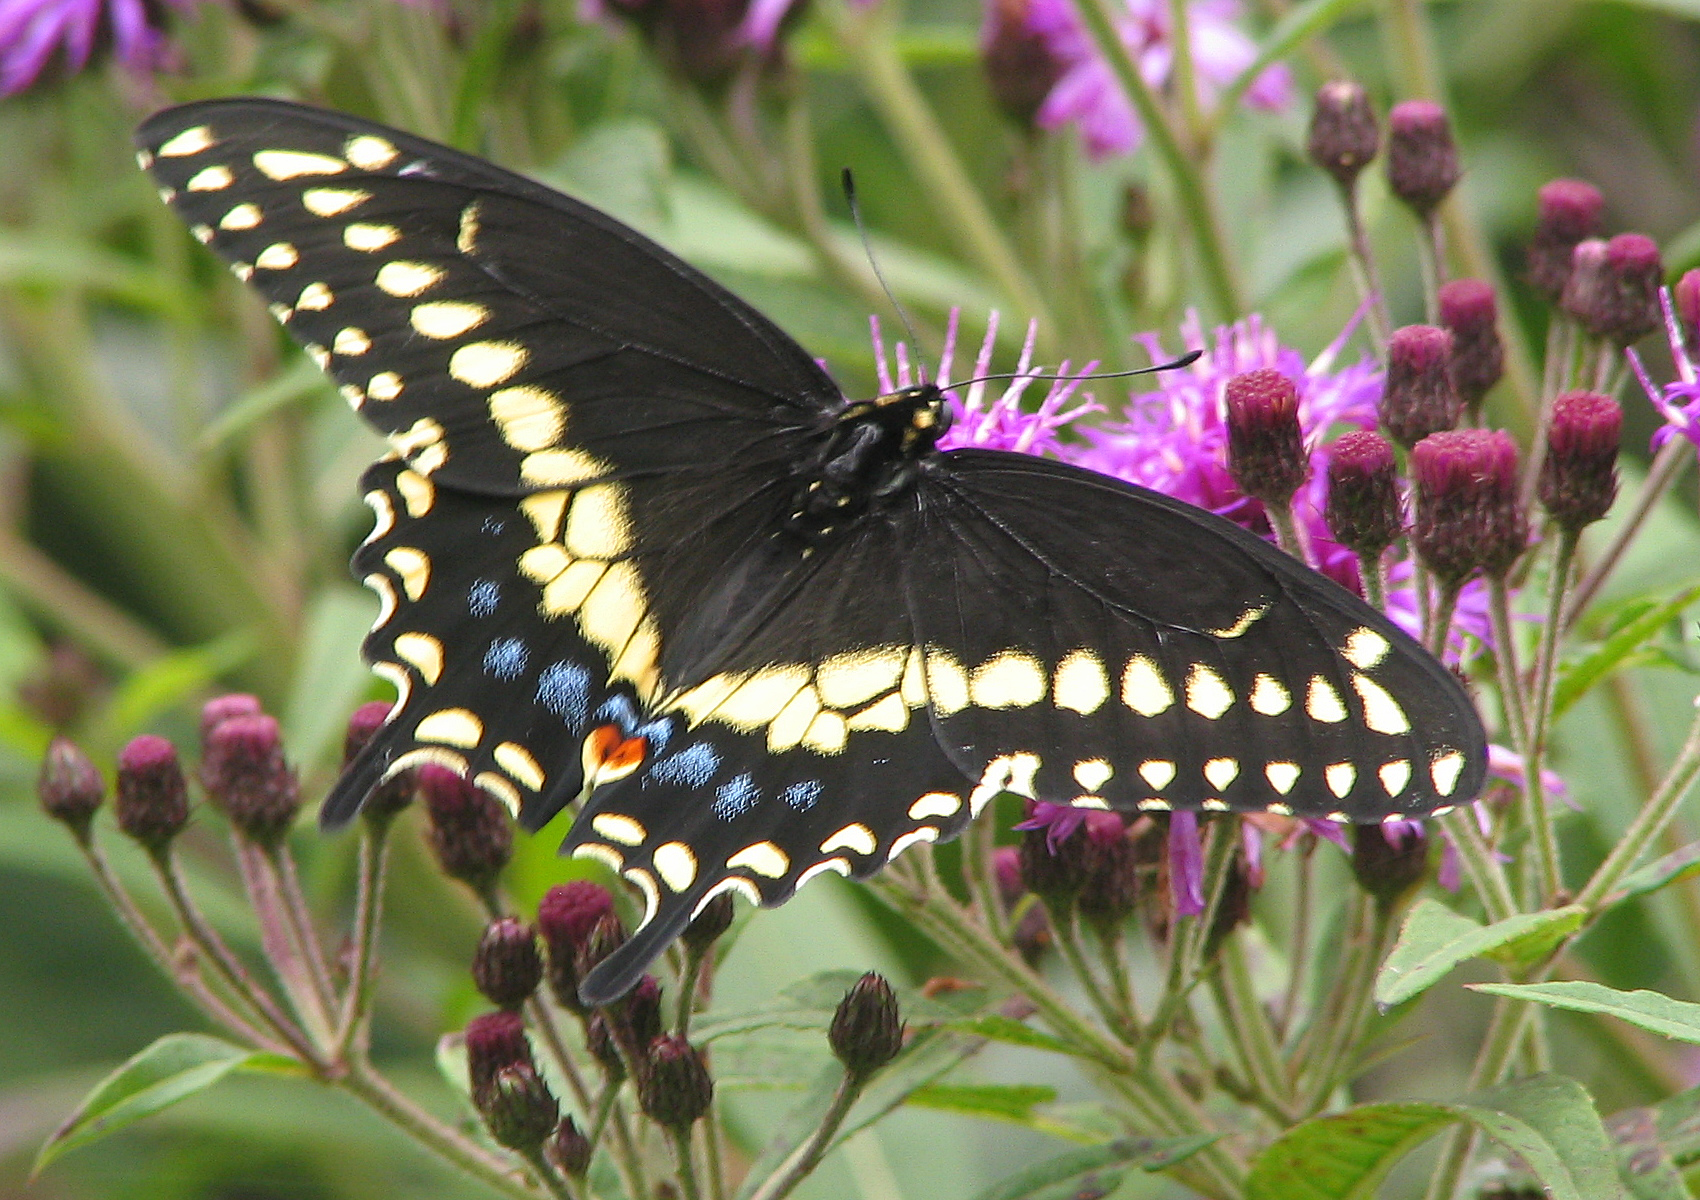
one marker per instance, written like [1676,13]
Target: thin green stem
[543,1020]
[1549,871]
[687,1163]
[1374,576]
[1440,620]
[690,980]
[1505,660]
[1188,935]
[1655,814]
[1668,463]
[368,914]
[806,1158]
[1185,84]
[1486,874]
[1299,960]
[1375,929]
[299,919]
[979,846]
[1065,931]
[1498,1052]
[1364,272]
[1121,979]
[1248,1026]
[1561,348]
[1431,242]
[282,941]
[1288,536]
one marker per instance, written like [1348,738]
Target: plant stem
[552,1182]
[1505,660]
[1549,871]
[281,941]
[1288,536]
[1484,870]
[1672,457]
[1065,931]
[979,845]
[1432,243]
[368,913]
[1499,1050]
[1300,958]
[806,1157]
[1440,620]
[681,1140]
[1247,1024]
[1655,814]
[1364,271]
[1374,931]
[1374,577]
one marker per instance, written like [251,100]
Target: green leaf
[299,382]
[1301,22]
[1672,868]
[1644,1162]
[999,1028]
[1435,939]
[1613,653]
[1678,1121]
[169,680]
[1563,1113]
[1652,1011]
[174,1068]
[988,1101]
[1151,1154]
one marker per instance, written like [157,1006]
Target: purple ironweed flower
[1021,68]
[31,31]
[1186,864]
[1088,94]
[1679,400]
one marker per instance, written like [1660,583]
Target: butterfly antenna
[1185,360]
[867,248]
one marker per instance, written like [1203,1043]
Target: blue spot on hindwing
[735,797]
[564,689]
[506,658]
[483,597]
[693,766]
[618,710]
[802,795]
[493,526]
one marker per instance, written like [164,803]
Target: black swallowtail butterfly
[634,547]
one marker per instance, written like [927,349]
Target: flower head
[1569,212]
[867,1030]
[507,966]
[674,1087]
[1422,159]
[69,787]
[1468,516]
[33,31]
[470,832]
[1021,66]
[1420,398]
[1579,474]
[1613,288]
[245,776]
[153,797]
[1469,310]
[1344,136]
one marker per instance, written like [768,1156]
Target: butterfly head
[869,454]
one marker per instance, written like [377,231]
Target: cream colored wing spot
[422,652]
[333,202]
[1247,619]
[387,600]
[788,728]
[353,395]
[385,385]
[1323,703]
[369,152]
[1365,648]
[383,513]
[1153,804]
[315,297]
[1092,773]
[418,493]
[351,342]
[414,567]
[702,700]
[189,142]
[281,313]
[1008,679]
[1144,689]
[282,165]
[487,364]
[451,760]
[518,762]
[451,726]
[947,681]
[144,159]
[611,612]
[1158,773]
[1443,810]
[1268,698]
[421,435]
[935,804]
[559,468]
[913,686]
[598,524]
[1080,683]
[639,661]
[545,511]
[244,216]
[499,787]
[1280,810]
[1220,772]
[856,837]
[1005,773]
[1213,804]
[1340,777]
[850,680]
[762,697]
[651,894]
[444,319]
[398,677]
[1207,693]
[202,233]
[1338,818]
[1444,768]
[243,271]
[369,238]
[466,240]
[889,715]
[676,863]
[405,279]
[1093,802]
[838,866]
[764,858]
[211,179]
[530,419]
[901,843]
[1395,775]
[320,356]
[606,855]
[827,734]
[1281,776]
[1382,713]
[618,828]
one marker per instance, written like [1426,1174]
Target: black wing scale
[593,587]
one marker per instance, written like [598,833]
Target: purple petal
[1186,864]
[1059,821]
[1329,831]
[1451,866]
[1251,839]
[762,21]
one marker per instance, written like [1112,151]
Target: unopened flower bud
[247,779]
[1579,474]
[469,833]
[568,1150]
[1111,890]
[1344,136]
[566,917]
[507,966]
[518,1107]
[1021,68]
[599,1040]
[1614,288]
[674,1088]
[1686,295]
[363,726]
[867,1030]
[638,1013]
[707,926]
[1389,859]
[1569,212]
[1467,514]
[153,797]
[494,1041]
[1052,868]
[1469,311]
[221,708]
[69,787]
[1422,160]
[1418,398]
[392,794]
[605,937]
[1363,493]
[1266,449]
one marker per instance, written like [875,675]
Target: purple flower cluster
[32,31]
[1679,400]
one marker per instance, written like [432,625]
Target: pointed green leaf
[988,1101]
[1435,939]
[1644,1162]
[1575,680]
[999,1028]
[1152,1154]
[1652,1011]
[1672,868]
[1563,1113]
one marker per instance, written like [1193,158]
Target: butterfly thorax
[870,454]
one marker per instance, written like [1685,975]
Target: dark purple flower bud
[1052,856]
[707,926]
[1579,474]
[1344,136]
[566,917]
[518,1107]
[1112,887]
[605,937]
[1466,500]
[599,1040]
[1363,493]
[69,787]
[867,1030]
[507,966]
[1390,859]
[493,1041]
[1614,289]
[568,1150]
[1021,68]
[153,797]
[247,779]
[1006,869]
[1686,295]
[1266,448]
[470,833]
[1418,398]
[363,726]
[221,708]
[1422,160]
[638,1013]
[674,1088]
[1569,212]
[1469,310]
[392,794]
